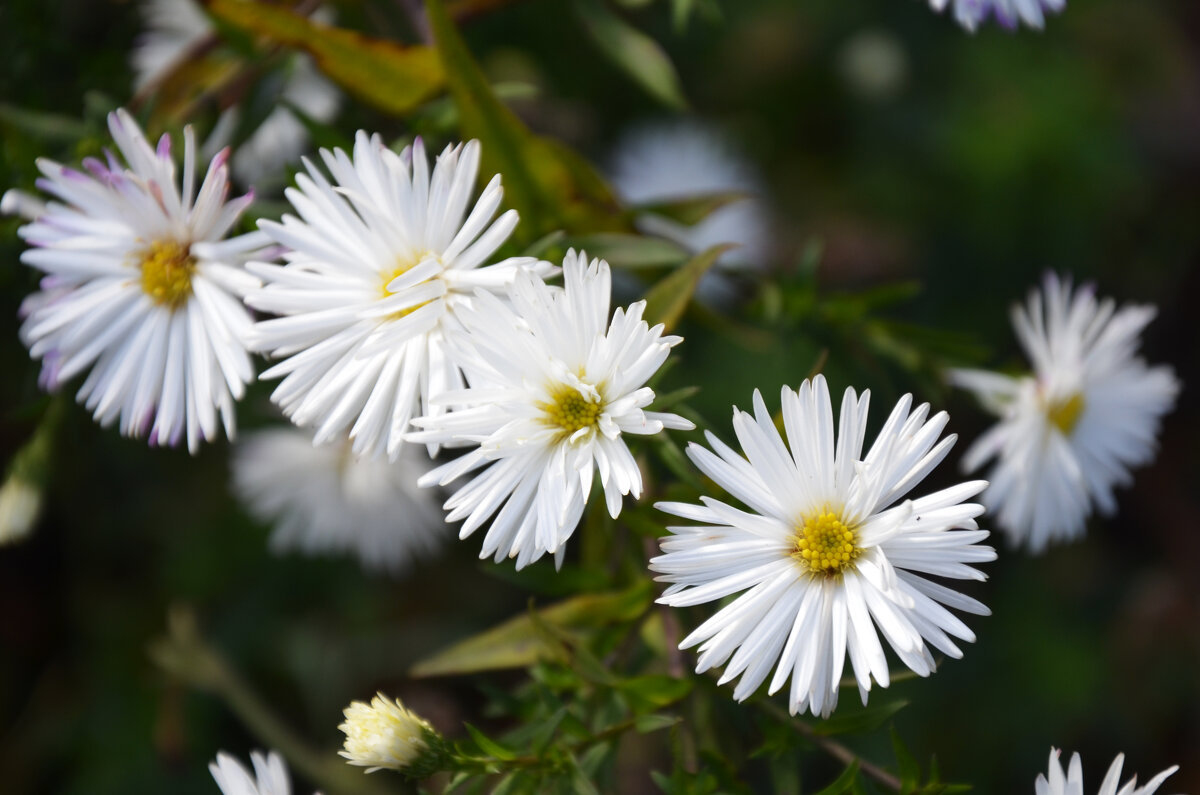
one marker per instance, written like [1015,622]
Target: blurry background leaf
[635,53]
[667,300]
[518,642]
[630,251]
[392,77]
[548,184]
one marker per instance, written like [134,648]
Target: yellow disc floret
[167,269]
[570,410]
[825,545]
[403,266]
[1065,414]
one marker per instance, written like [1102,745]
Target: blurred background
[912,182]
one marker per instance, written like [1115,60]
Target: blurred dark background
[967,164]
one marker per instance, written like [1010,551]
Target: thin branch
[832,747]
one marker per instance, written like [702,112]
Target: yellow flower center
[402,267]
[1065,414]
[571,411]
[167,269]
[825,545]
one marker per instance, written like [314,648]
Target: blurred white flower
[270,776]
[663,162]
[1071,782]
[1070,432]
[175,28]
[555,386]
[1009,13]
[141,288]
[380,263]
[824,555]
[323,499]
[385,734]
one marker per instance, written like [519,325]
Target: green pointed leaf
[667,300]
[864,720]
[519,642]
[385,74]
[635,53]
[488,745]
[49,127]
[910,771]
[653,723]
[630,252]
[844,782]
[653,692]
[691,210]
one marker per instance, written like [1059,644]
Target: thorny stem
[833,747]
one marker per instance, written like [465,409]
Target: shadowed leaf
[390,76]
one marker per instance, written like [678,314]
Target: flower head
[1071,783]
[270,775]
[555,386]
[142,289]
[1070,432]
[826,552]
[380,262]
[1009,13]
[385,734]
[323,499]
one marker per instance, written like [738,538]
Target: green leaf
[391,77]
[844,782]
[630,252]
[488,745]
[691,210]
[519,642]
[910,771]
[549,185]
[865,720]
[48,127]
[667,300]
[635,53]
[653,692]
[653,723]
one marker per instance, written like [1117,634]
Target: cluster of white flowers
[392,321]
[400,333]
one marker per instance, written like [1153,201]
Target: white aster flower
[324,499]
[826,555]
[1071,783]
[1009,13]
[1071,431]
[142,289]
[679,160]
[379,265]
[174,31]
[386,734]
[555,386]
[270,776]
